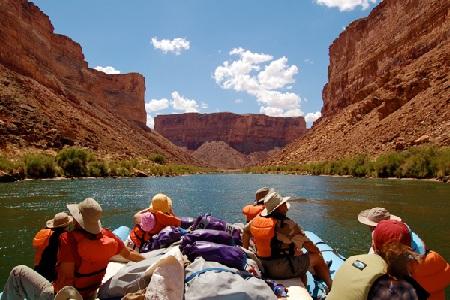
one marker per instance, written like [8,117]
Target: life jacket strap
[90,274]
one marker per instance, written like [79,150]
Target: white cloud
[312,117]
[176,45]
[346,5]
[150,121]
[183,104]
[261,76]
[277,74]
[308,61]
[204,105]
[107,70]
[238,101]
[156,105]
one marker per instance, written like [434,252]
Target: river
[328,205]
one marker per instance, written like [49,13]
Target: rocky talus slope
[388,85]
[49,97]
[220,155]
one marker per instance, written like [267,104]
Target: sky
[241,56]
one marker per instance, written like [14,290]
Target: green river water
[328,207]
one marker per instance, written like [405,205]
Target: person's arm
[246,235]
[66,263]
[131,255]
[66,271]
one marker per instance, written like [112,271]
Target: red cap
[389,231]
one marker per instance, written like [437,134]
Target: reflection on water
[326,205]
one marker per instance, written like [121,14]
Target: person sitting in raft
[161,209]
[46,244]
[141,232]
[373,216]
[279,241]
[383,275]
[252,210]
[432,271]
[83,256]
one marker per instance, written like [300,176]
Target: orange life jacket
[91,258]
[40,242]
[251,211]
[433,274]
[263,231]
[162,220]
[139,236]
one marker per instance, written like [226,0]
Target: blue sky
[242,56]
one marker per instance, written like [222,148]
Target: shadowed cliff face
[30,47]
[388,85]
[245,133]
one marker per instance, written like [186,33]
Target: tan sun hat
[61,219]
[272,201]
[68,293]
[374,215]
[161,202]
[87,213]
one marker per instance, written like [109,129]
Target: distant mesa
[247,133]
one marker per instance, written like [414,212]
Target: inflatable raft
[315,288]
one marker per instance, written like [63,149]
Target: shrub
[388,165]
[74,161]
[442,163]
[5,164]
[39,166]
[98,169]
[158,159]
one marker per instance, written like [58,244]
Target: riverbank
[425,162]
[77,162]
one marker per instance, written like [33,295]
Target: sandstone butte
[50,98]
[388,85]
[245,133]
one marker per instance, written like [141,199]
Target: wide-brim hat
[87,213]
[161,202]
[261,194]
[373,216]
[60,220]
[68,293]
[272,201]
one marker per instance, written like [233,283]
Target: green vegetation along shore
[417,162]
[81,162]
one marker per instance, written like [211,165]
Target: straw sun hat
[272,201]
[375,215]
[61,219]
[161,202]
[87,213]
[68,293]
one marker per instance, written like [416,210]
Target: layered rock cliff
[245,133]
[30,47]
[49,97]
[388,85]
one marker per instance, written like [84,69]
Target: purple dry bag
[208,235]
[231,256]
[163,239]
[209,222]
[186,222]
